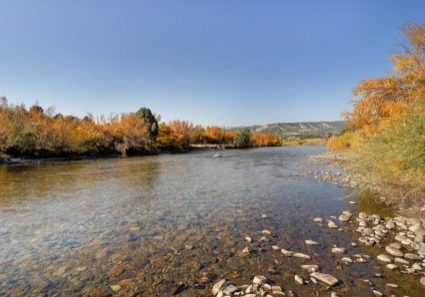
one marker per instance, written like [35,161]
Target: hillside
[301,129]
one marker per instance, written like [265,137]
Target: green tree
[147,115]
[242,139]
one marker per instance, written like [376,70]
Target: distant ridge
[300,129]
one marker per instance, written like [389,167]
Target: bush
[242,139]
[394,157]
[341,142]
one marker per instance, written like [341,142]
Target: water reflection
[155,223]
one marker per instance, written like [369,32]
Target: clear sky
[224,62]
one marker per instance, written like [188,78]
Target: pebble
[338,250]
[384,258]
[318,220]
[412,256]
[116,288]
[286,252]
[391,266]
[218,286]
[259,279]
[325,278]
[401,261]
[311,242]
[332,225]
[301,255]
[298,279]
[393,251]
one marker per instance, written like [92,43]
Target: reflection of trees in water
[19,183]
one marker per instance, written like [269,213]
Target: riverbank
[348,177]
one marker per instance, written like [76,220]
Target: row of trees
[386,128]
[43,133]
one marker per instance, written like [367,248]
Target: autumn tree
[378,99]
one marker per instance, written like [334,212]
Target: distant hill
[301,129]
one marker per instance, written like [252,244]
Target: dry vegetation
[35,132]
[385,131]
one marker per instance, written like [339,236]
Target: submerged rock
[384,258]
[393,251]
[311,242]
[325,278]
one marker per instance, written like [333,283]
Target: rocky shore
[395,244]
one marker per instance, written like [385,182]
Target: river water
[169,224]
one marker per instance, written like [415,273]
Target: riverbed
[173,225]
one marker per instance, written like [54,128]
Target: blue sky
[223,62]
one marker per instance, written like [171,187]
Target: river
[169,224]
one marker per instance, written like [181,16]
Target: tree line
[35,132]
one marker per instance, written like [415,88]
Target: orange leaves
[261,139]
[389,97]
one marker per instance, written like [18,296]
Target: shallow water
[168,224]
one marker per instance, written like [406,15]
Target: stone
[311,242]
[344,218]
[301,255]
[230,289]
[377,293]
[310,267]
[401,261]
[362,215]
[116,288]
[259,279]
[286,252]
[332,225]
[346,260]
[248,239]
[298,279]
[391,266]
[338,250]
[318,220]
[325,278]
[384,258]
[394,251]
[412,256]
[266,232]
[367,231]
[396,245]
[275,247]
[422,281]
[218,286]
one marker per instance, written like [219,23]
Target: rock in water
[259,279]
[325,278]
[332,225]
[298,279]
[301,255]
[393,251]
[311,242]
[219,286]
[217,155]
[384,258]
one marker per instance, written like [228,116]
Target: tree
[146,114]
[379,99]
[242,139]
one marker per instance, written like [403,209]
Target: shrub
[242,139]
[341,142]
